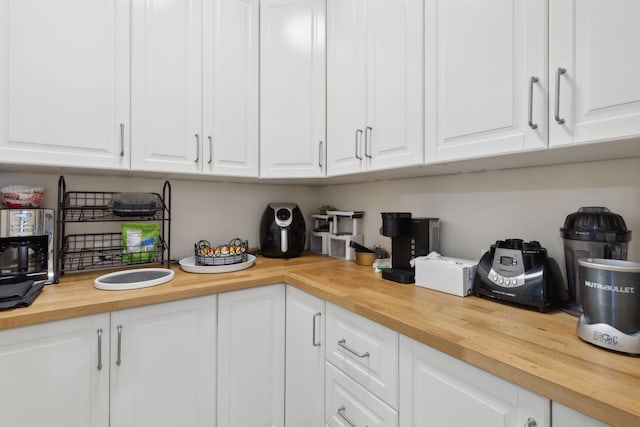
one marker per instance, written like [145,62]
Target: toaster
[520,272]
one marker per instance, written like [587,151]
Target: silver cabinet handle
[210,149]
[358,131]
[531,422]
[367,141]
[315,316]
[320,145]
[560,71]
[532,80]
[119,356]
[121,139]
[99,349]
[344,417]
[197,148]
[343,343]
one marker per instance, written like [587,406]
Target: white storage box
[445,274]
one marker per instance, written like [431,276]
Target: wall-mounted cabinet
[485,78]
[374,85]
[64,83]
[594,67]
[292,88]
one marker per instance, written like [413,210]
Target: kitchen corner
[539,352]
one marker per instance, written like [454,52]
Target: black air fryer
[282,231]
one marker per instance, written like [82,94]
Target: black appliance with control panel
[282,231]
[520,272]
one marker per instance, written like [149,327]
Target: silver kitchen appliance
[591,232]
[610,292]
[27,246]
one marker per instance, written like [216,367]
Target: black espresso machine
[520,272]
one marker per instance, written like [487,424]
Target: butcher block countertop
[537,351]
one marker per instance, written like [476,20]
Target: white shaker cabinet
[166,86]
[485,78]
[230,144]
[594,64]
[292,88]
[304,395]
[251,359]
[439,390]
[56,373]
[374,85]
[64,83]
[163,364]
[562,416]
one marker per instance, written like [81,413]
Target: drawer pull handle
[343,343]
[559,72]
[119,353]
[533,80]
[315,343]
[344,417]
[99,349]
[531,422]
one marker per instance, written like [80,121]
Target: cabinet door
[251,359]
[56,374]
[305,344]
[480,59]
[64,83]
[598,95]
[393,133]
[346,86]
[163,364]
[434,387]
[563,416]
[292,88]
[166,86]
[230,104]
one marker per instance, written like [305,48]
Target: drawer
[364,350]
[348,404]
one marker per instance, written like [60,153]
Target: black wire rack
[89,251]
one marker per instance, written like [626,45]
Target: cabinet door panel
[480,57]
[394,83]
[166,373]
[292,88]
[167,85]
[231,38]
[64,82]
[600,90]
[251,361]
[50,374]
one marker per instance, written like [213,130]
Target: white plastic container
[445,274]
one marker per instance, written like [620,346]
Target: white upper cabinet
[485,77]
[594,64]
[292,88]
[64,83]
[374,85]
[166,85]
[230,104]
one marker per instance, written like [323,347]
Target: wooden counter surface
[540,352]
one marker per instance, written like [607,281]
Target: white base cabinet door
[163,364]
[251,363]
[596,89]
[64,83]
[485,78]
[292,88]
[439,390]
[56,374]
[562,416]
[305,344]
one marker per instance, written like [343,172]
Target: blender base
[606,336]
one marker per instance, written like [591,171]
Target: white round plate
[188,264]
[133,279]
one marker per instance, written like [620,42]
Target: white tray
[188,264]
[133,279]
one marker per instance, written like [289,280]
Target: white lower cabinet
[251,339]
[56,374]
[439,390]
[304,377]
[349,404]
[163,364]
[561,416]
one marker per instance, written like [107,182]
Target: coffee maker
[410,238]
[27,246]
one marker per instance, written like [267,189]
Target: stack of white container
[342,227]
